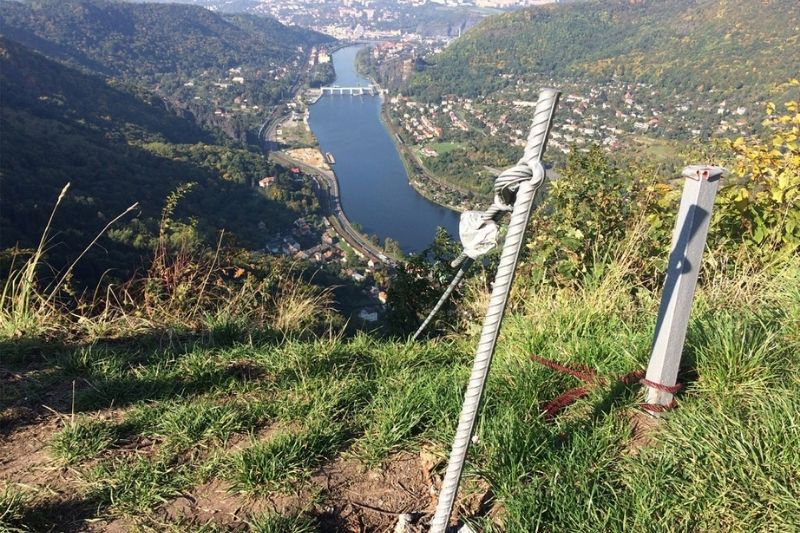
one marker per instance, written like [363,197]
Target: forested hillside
[643,79]
[145,41]
[220,70]
[683,45]
[117,148]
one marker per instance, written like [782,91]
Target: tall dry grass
[183,290]
[28,309]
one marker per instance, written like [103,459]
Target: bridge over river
[370,90]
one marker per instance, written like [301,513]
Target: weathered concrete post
[688,243]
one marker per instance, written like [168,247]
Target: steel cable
[453,284]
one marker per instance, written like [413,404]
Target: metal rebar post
[527,175]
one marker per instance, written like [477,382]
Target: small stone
[403,523]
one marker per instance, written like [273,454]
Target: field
[444,148]
[308,156]
[226,430]
[296,134]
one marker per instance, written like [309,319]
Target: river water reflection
[373,183]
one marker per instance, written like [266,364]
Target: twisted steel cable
[519,182]
[465,264]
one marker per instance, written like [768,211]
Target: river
[373,183]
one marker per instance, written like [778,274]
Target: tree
[392,247]
[418,284]
[762,209]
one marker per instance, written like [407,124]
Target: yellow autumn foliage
[763,204]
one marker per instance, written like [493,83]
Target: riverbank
[376,192]
[422,180]
[311,160]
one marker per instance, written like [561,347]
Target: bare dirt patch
[53,491]
[344,494]
[213,502]
[309,156]
[26,458]
[642,426]
[366,500]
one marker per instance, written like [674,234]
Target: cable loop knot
[507,184]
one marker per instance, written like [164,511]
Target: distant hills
[730,46]
[147,40]
[114,109]
[197,60]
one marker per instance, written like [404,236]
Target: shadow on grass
[37,376]
[63,516]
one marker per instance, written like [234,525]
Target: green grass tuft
[138,484]
[12,506]
[297,522]
[82,439]
[283,460]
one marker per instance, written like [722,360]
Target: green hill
[261,431]
[729,46]
[205,65]
[116,148]
[643,79]
[146,41]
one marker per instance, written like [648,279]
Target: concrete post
[688,243]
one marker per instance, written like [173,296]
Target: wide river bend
[373,182]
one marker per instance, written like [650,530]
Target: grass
[82,439]
[12,505]
[296,522]
[279,463]
[298,135]
[138,484]
[28,309]
[263,414]
[444,148]
[185,290]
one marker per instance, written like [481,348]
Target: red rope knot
[658,408]
[658,386]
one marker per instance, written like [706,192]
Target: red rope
[632,377]
[564,399]
[588,375]
[578,371]
[658,386]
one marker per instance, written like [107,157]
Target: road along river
[373,182]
